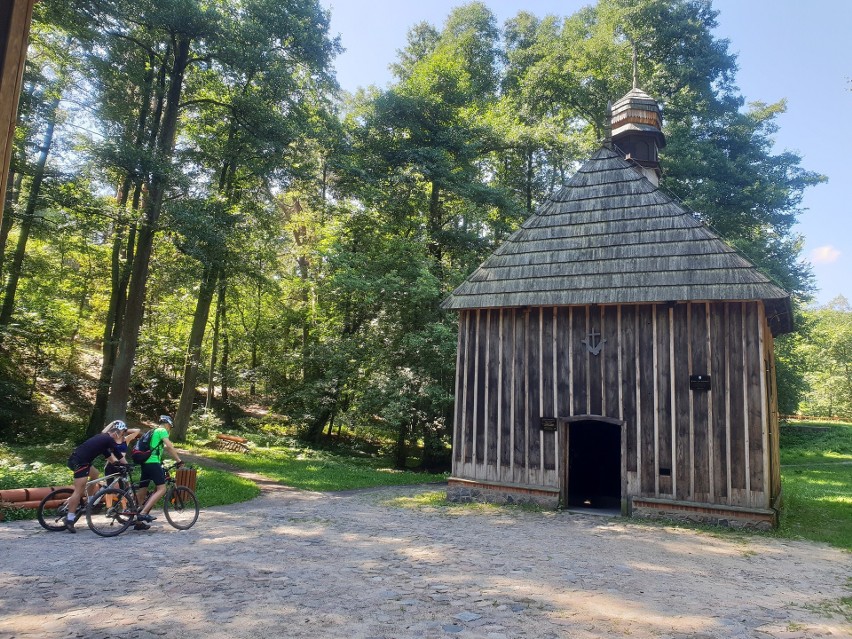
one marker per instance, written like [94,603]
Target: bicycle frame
[115,478]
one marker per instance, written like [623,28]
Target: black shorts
[80,470]
[153,472]
[111,469]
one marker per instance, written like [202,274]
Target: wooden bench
[231,442]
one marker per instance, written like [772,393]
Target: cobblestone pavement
[358,565]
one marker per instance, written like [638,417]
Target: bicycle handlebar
[176,465]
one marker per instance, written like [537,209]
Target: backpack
[142,450]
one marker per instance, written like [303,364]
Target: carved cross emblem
[594,344]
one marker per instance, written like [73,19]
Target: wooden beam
[15,18]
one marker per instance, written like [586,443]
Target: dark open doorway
[594,464]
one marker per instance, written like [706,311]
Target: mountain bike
[180,506]
[53,509]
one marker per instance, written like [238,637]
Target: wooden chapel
[614,352]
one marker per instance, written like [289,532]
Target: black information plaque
[548,423]
[699,382]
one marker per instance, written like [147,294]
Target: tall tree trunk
[214,351]
[435,225]
[15,177]
[120,380]
[5,227]
[401,450]
[223,364]
[27,220]
[113,324]
[254,339]
[303,266]
[315,429]
[193,353]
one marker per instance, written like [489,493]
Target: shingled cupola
[614,352]
[637,131]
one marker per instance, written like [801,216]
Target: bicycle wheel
[51,511]
[110,512]
[181,507]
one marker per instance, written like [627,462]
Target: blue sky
[785,48]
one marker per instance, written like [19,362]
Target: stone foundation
[725,516]
[467,491]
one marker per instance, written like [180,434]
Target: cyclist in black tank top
[81,460]
[127,436]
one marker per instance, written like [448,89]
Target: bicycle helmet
[165,419]
[118,426]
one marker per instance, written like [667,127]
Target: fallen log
[28,497]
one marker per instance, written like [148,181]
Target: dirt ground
[358,565]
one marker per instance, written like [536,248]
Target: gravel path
[353,565]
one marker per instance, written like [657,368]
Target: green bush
[21,469]
[16,402]
[202,423]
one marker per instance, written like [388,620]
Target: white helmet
[118,426]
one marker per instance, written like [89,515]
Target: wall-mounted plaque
[699,382]
[548,423]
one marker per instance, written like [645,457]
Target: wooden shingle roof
[609,236]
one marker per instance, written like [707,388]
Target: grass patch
[816,473]
[428,499]
[832,608]
[437,499]
[320,470]
[818,504]
[219,487]
[831,444]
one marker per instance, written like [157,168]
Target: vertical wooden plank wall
[533,367]
[755,407]
[516,366]
[702,467]
[461,395]
[548,389]
[469,385]
[774,425]
[629,396]
[507,384]
[663,362]
[682,461]
[719,424]
[735,408]
[518,400]
[492,397]
[647,400]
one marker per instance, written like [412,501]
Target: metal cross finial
[608,125]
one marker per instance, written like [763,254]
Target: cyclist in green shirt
[152,470]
